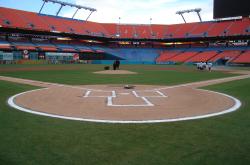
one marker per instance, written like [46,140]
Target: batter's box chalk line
[114,94]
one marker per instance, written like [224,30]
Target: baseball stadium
[87,89]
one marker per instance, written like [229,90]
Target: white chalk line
[110,103]
[235,107]
[232,109]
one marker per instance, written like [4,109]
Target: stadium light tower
[181,14]
[78,7]
[197,10]
[118,33]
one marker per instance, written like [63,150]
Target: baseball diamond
[114,104]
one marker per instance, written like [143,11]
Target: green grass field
[30,139]
[83,74]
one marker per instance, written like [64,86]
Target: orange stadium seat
[203,56]
[158,31]
[34,21]
[200,30]
[171,30]
[5,46]
[166,55]
[95,29]
[126,31]
[24,47]
[56,24]
[183,57]
[243,58]
[227,54]
[219,28]
[110,28]
[183,30]
[239,27]
[48,48]
[10,17]
[143,31]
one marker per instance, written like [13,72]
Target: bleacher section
[34,21]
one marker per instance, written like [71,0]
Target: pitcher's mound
[115,72]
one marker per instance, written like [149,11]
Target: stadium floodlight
[181,14]
[78,7]
[197,10]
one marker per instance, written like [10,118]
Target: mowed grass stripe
[83,74]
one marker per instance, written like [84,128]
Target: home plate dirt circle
[114,104]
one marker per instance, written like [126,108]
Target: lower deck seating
[165,55]
[23,47]
[203,56]
[243,58]
[226,55]
[183,57]
[4,45]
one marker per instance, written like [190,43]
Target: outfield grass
[83,74]
[30,139]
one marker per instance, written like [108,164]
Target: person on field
[209,66]
[117,62]
[198,65]
[114,65]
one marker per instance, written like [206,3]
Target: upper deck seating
[143,31]
[171,30]
[183,31]
[200,30]
[126,31]
[158,31]
[11,18]
[219,29]
[239,27]
[111,29]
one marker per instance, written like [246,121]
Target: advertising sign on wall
[7,56]
[76,56]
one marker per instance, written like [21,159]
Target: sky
[130,11]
